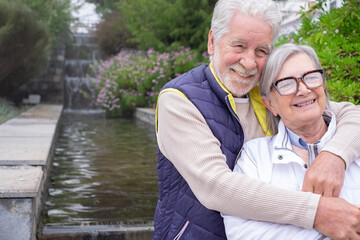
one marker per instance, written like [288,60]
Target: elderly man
[205,116]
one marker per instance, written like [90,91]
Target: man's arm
[338,219]
[187,141]
[241,228]
[326,174]
[345,142]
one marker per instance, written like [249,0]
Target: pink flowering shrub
[133,79]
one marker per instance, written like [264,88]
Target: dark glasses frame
[298,79]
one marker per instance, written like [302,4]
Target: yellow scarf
[259,109]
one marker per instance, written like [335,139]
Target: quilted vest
[179,214]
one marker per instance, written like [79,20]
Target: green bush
[134,79]
[23,45]
[335,37]
[9,111]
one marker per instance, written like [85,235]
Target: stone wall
[65,78]
[49,84]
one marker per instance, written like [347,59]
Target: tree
[112,35]
[104,7]
[165,23]
[191,23]
[23,45]
[157,24]
[55,15]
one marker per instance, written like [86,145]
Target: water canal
[103,180]
[103,172]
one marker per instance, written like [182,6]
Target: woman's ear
[268,105]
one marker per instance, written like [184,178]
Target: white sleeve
[241,228]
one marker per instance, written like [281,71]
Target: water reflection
[104,172]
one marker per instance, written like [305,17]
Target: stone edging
[26,145]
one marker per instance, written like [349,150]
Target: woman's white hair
[225,9]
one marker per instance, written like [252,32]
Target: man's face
[239,56]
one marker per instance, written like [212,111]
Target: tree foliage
[55,15]
[104,7]
[335,37]
[164,23]
[112,35]
[23,45]
[27,30]
[161,24]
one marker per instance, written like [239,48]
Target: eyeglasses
[290,85]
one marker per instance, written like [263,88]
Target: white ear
[268,105]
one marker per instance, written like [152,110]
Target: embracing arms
[187,141]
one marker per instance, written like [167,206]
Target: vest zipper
[178,236]
[237,118]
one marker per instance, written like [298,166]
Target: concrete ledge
[43,111]
[20,182]
[146,115]
[16,219]
[26,146]
[26,129]
[15,151]
[27,139]
[124,232]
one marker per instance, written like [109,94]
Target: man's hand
[325,176]
[337,219]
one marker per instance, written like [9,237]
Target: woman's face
[304,107]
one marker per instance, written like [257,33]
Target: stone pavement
[27,139]
[26,144]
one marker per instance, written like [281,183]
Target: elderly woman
[293,90]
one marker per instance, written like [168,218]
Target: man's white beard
[227,82]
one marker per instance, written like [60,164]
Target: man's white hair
[225,9]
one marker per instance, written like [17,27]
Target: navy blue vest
[179,214]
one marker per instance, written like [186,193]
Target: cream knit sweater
[186,140]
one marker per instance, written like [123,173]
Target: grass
[9,111]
